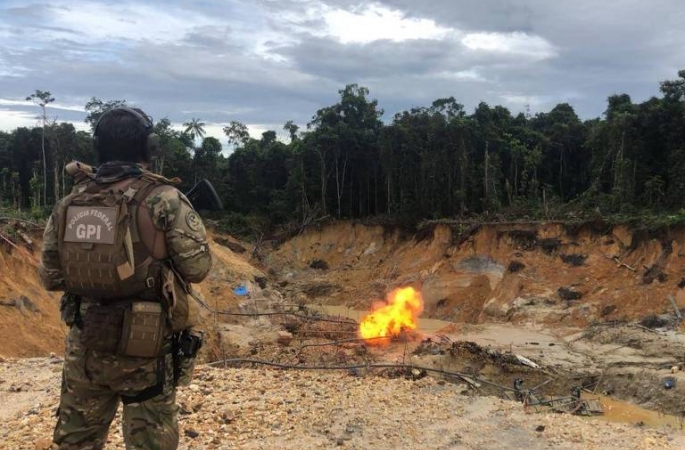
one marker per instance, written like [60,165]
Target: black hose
[356,366]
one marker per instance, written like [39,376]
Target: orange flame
[401,312]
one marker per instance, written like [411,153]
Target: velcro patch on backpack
[91,224]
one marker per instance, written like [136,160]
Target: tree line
[431,162]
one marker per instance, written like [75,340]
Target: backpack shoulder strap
[149,235]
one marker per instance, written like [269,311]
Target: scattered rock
[43,444]
[654,273]
[655,321]
[319,289]
[523,239]
[520,302]
[28,304]
[480,265]
[549,245]
[574,259]
[191,433]
[276,409]
[569,295]
[16,387]
[22,303]
[319,264]
[608,309]
[515,266]
[196,405]
[261,281]
[372,248]
[284,338]
[235,248]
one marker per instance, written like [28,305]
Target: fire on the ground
[401,313]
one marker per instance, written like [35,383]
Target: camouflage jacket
[170,212]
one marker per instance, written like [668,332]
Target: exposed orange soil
[24,333]
[471,281]
[466,281]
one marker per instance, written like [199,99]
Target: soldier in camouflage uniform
[96,380]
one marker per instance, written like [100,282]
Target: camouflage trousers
[93,384]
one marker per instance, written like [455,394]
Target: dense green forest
[431,162]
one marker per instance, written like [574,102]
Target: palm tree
[42,99]
[195,128]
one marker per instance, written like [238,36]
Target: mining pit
[582,320]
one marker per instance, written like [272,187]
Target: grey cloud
[169,78]
[587,32]
[416,72]
[33,12]
[602,49]
[340,62]
[216,38]
[467,15]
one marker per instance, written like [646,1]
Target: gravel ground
[274,409]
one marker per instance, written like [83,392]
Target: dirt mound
[231,270]
[29,316]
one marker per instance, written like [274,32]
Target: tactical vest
[109,248]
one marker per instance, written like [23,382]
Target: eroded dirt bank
[29,316]
[505,272]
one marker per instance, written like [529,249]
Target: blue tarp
[241,291]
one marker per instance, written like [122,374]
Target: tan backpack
[110,249]
[99,257]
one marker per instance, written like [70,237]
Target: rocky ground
[275,409]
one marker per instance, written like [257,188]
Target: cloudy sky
[263,62]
